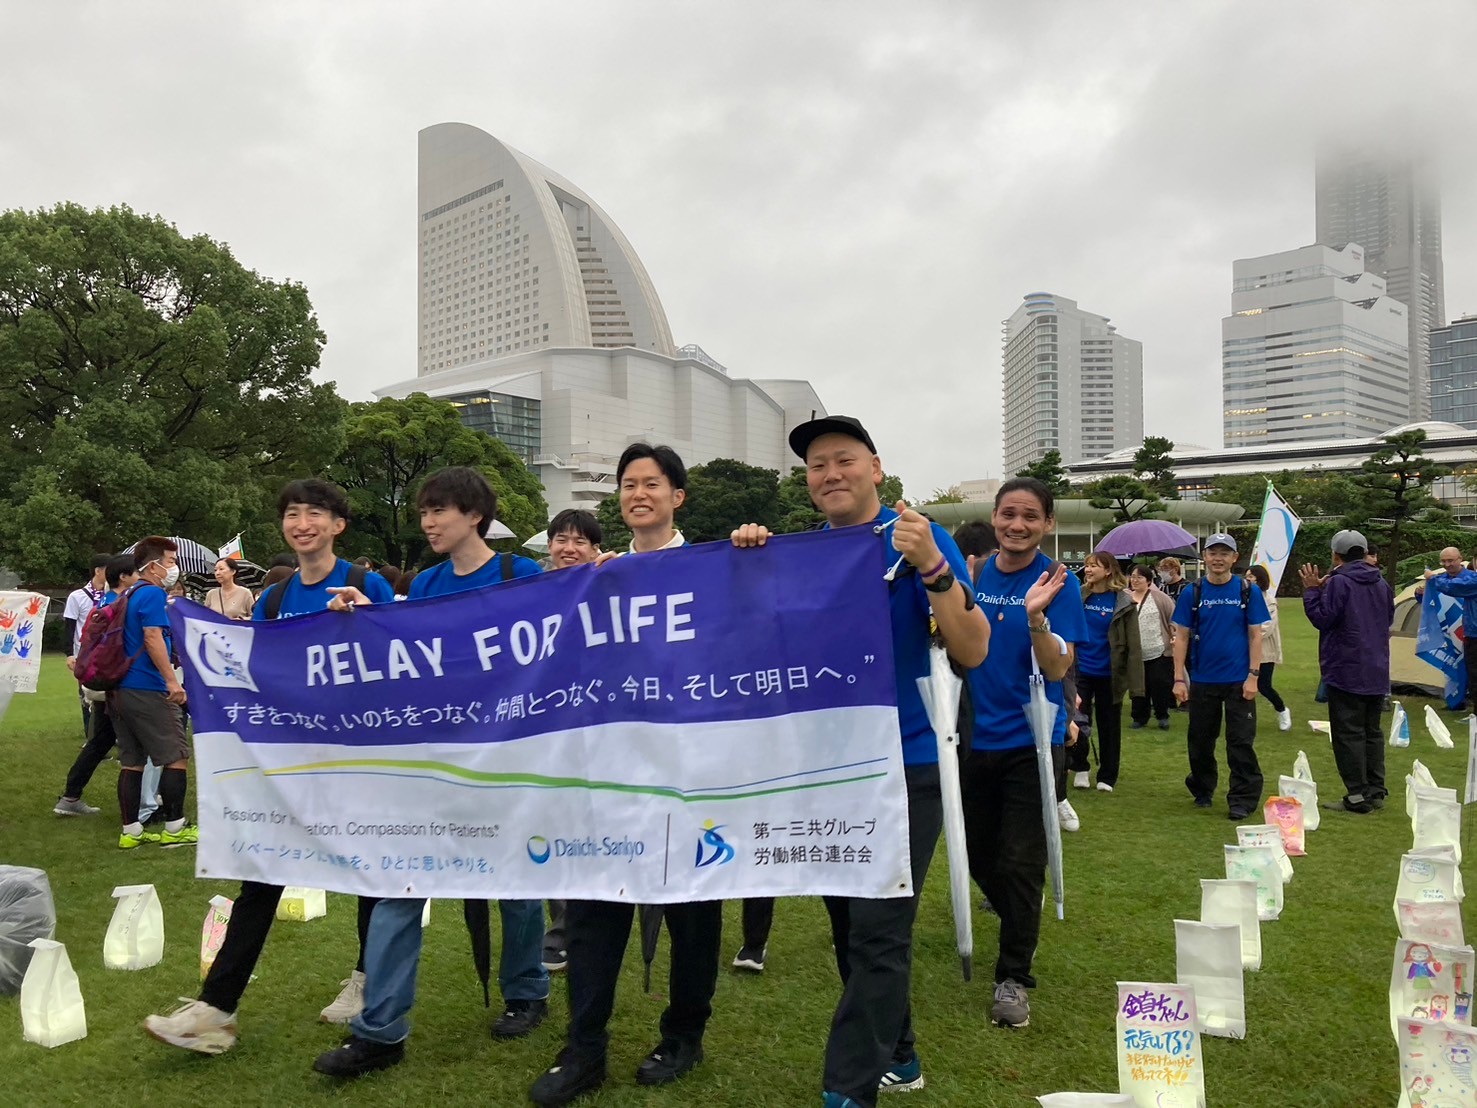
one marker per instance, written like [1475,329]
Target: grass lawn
[1317,1013]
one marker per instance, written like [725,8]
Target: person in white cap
[1217,662]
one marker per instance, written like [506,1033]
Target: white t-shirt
[79,606]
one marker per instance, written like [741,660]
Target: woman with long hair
[1156,645]
[1271,648]
[228,598]
[1109,664]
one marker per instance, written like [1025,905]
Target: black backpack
[273,602]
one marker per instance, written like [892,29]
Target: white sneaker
[65,807]
[349,1002]
[1284,720]
[1066,816]
[1104,787]
[1080,781]
[195,1026]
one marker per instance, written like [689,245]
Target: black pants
[1470,657]
[1264,686]
[1208,703]
[252,914]
[556,937]
[758,921]
[100,739]
[1158,690]
[598,933]
[1358,743]
[1007,848]
[1106,716]
[873,1024]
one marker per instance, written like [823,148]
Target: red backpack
[101,662]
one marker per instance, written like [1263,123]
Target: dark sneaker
[1164,725]
[570,1077]
[1236,815]
[671,1059]
[1137,726]
[1376,802]
[1011,1007]
[1361,808]
[357,1056]
[1200,801]
[902,1077]
[519,1018]
[555,959]
[1203,802]
[750,958]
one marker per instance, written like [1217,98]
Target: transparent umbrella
[1042,714]
[940,692]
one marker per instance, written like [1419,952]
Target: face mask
[171,575]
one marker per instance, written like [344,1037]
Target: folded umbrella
[479,930]
[940,692]
[651,916]
[1042,714]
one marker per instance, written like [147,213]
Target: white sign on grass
[1159,1059]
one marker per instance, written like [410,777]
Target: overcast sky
[856,193]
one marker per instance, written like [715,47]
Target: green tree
[614,534]
[1153,465]
[891,490]
[953,494]
[391,446]
[149,382]
[1128,497]
[724,493]
[797,511]
[1395,487]
[1048,469]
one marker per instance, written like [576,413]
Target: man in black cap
[871,1040]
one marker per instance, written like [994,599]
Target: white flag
[1274,538]
[232,549]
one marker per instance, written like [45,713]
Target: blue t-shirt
[1001,687]
[1092,653]
[912,617]
[148,606]
[1219,655]
[303,600]
[441,579]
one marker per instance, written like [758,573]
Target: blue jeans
[392,956]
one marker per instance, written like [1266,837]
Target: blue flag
[1441,642]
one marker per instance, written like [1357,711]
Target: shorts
[148,727]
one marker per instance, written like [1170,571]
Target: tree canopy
[391,446]
[1128,497]
[1395,489]
[1153,465]
[148,382]
[1048,469]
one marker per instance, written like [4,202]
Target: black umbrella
[193,557]
[479,929]
[651,932]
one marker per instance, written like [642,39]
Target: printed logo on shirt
[1001,600]
[1221,602]
[221,653]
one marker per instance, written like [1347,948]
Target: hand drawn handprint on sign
[7,643]
[24,630]
[33,606]
[23,650]
[7,619]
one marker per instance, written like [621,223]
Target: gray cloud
[854,193]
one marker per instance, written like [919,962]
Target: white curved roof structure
[514,258]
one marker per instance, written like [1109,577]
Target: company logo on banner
[1275,536]
[668,727]
[1440,641]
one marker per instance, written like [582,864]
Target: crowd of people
[1005,611]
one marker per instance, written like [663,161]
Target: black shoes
[570,1077]
[519,1018]
[1235,815]
[671,1059]
[1200,801]
[357,1056]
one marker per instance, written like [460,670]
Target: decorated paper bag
[1159,1056]
[1399,726]
[1440,733]
[1438,823]
[1085,1100]
[1419,771]
[1430,981]
[1306,793]
[51,999]
[1416,790]
[135,938]
[1431,921]
[1300,768]
[1264,834]
[1436,1065]
[1259,864]
[1286,814]
[1233,903]
[302,904]
[213,931]
[1443,854]
[1322,726]
[1428,876]
[1208,959]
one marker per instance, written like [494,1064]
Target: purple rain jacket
[1353,612]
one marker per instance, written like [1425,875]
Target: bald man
[1461,583]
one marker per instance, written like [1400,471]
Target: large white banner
[22,615]
[1275,536]
[689,724]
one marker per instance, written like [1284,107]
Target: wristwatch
[942,583]
[1044,627]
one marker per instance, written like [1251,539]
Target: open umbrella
[1042,714]
[496,530]
[479,929]
[940,692]
[537,541]
[1145,536]
[651,930]
[193,557]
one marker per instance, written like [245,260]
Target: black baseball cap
[801,437]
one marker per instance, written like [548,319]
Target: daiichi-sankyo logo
[221,653]
[711,840]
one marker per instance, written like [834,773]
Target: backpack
[101,662]
[1195,616]
[274,596]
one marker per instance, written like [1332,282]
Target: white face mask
[171,575]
